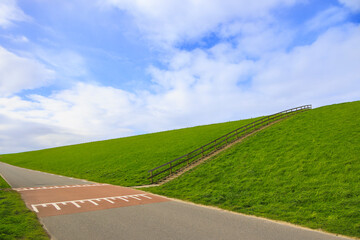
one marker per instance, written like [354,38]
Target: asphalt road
[162,220]
[21,177]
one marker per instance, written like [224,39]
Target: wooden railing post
[170,168]
[151,175]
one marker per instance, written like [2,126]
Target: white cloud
[324,72]
[354,5]
[22,135]
[327,18]
[199,83]
[255,39]
[18,73]
[254,74]
[199,87]
[83,113]
[67,63]
[10,12]
[85,109]
[171,22]
[16,38]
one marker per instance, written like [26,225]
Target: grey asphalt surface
[20,177]
[173,220]
[160,221]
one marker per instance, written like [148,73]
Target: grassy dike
[123,161]
[304,170]
[16,221]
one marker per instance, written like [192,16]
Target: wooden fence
[171,167]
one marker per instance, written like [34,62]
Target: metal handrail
[216,144]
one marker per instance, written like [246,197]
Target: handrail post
[202,151]
[170,168]
[151,175]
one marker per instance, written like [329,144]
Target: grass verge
[3,183]
[16,221]
[304,170]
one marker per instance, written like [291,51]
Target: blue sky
[78,71]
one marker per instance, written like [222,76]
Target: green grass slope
[304,170]
[123,161]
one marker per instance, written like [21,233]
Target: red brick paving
[69,200]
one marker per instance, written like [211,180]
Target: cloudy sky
[74,71]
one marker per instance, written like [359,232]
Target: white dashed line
[121,198]
[92,200]
[135,198]
[52,187]
[147,197]
[56,206]
[76,205]
[109,201]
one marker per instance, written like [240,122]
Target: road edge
[257,217]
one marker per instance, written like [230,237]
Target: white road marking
[109,201]
[92,200]
[135,198]
[35,209]
[122,198]
[76,205]
[147,197]
[66,186]
[56,206]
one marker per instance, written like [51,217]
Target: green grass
[304,170]
[16,221]
[123,161]
[3,183]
